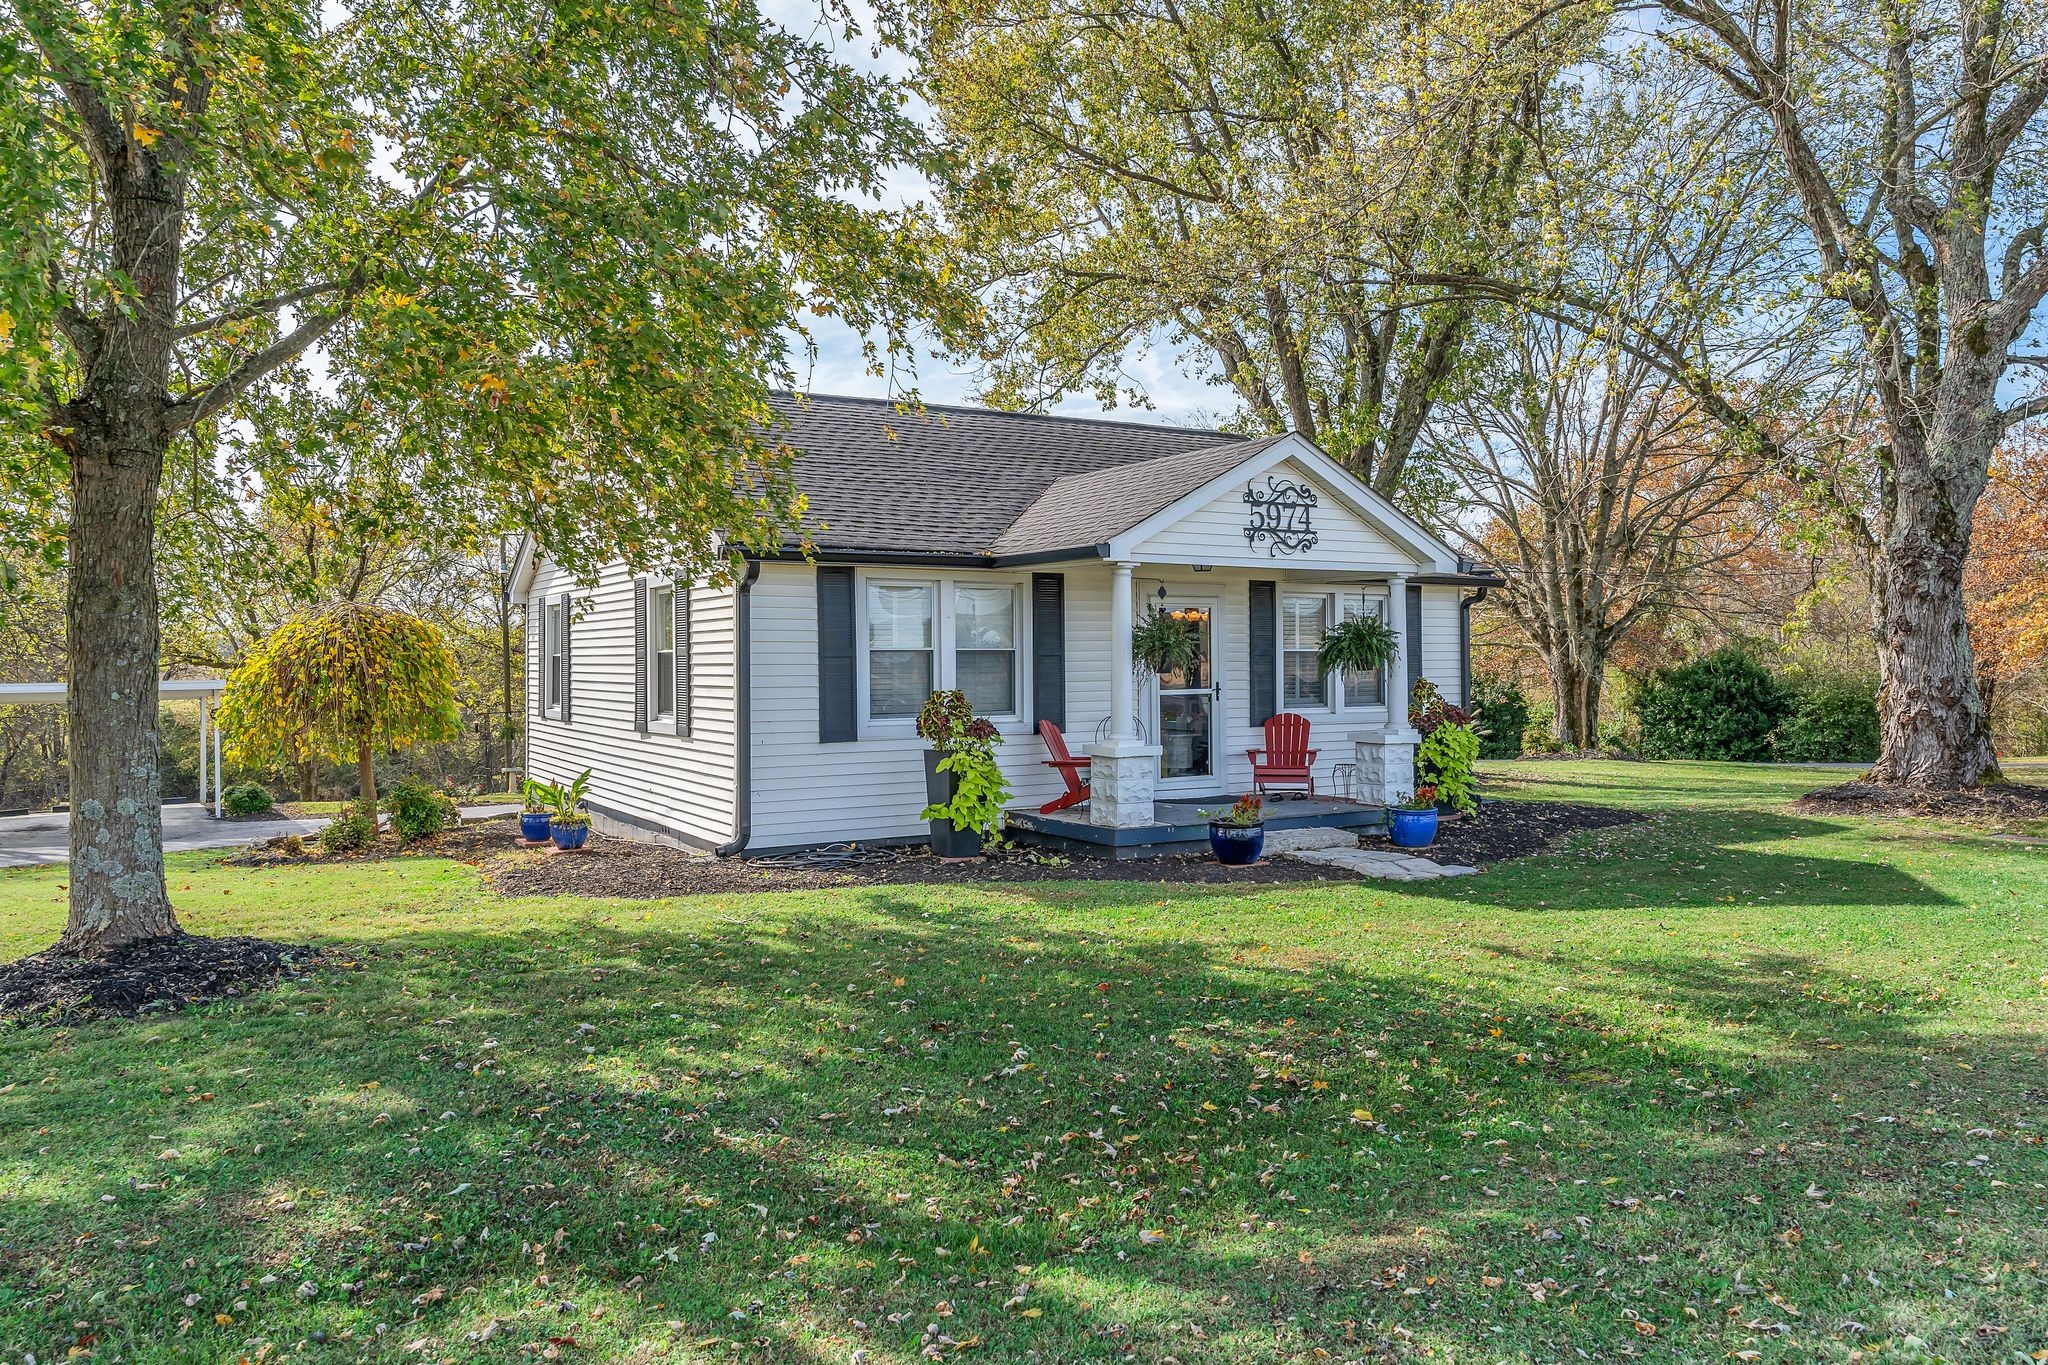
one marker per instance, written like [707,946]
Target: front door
[1188,703]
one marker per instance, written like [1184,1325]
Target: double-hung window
[1364,689]
[551,658]
[1304,618]
[985,646]
[903,633]
[923,635]
[1303,621]
[661,650]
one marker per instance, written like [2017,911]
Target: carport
[206,691]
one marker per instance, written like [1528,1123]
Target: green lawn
[1738,1083]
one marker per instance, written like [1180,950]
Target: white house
[1007,555]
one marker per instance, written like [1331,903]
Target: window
[1364,689]
[985,646]
[1303,620]
[902,647]
[661,650]
[551,650]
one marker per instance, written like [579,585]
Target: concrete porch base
[1178,826]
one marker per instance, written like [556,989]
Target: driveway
[31,840]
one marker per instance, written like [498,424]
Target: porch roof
[1082,511]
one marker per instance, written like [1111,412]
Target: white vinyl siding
[682,784]
[1214,534]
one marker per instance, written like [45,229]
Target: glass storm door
[1188,703]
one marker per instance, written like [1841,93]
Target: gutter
[742,715]
[1465,605]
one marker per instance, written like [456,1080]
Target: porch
[1179,825]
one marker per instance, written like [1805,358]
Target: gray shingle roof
[953,480]
[1087,509]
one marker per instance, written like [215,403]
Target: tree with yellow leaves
[342,683]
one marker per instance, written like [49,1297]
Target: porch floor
[1179,825]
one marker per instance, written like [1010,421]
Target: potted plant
[1238,836]
[1362,644]
[569,823]
[1165,642]
[1412,824]
[964,788]
[533,819]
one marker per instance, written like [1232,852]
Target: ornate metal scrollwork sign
[1280,516]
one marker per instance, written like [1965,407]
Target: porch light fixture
[1203,568]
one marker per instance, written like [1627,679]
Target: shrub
[350,831]
[968,745]
[417,811]
[245,798]
[1444,761]
[1725,705]
[1503,712]
[1833,720]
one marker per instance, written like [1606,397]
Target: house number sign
[1280,516]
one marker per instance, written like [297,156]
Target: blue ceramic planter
[1236,845]
[1411,828]
[568,836]
[533,825]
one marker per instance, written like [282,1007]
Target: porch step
[1367,862]
[1280,841]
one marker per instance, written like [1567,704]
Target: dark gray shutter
[838,697]
[1414,641]
[681,611]
[1264,624]
[640,655]
[568,602]
[1049,648]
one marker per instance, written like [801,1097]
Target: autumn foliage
[2006,581]
[342,683]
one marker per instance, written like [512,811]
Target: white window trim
[550,664]
[1017,722]
[1335,702]
[654,586]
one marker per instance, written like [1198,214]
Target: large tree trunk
[119,431]
[1936,730]
[117,862]
[1575,683]
[306,789]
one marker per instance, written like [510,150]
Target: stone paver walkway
[1368,862]
[1339,848]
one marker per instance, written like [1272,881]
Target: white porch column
[1397,678]
[1123,676]
[1386,757]
[1122,770]
[204,710]
[215,727]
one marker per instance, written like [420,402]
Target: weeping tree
[342,684]
[558,249]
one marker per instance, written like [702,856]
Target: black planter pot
[939,789]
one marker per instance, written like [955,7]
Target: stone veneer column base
[1386,765]
[1121,774]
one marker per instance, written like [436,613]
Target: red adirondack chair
[1066,765]
[1287,755]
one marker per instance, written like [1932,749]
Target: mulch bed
[468,842]
[157,975]
[1512,829]
[1987,805]
[635,871]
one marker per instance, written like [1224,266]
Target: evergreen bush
[1503,715]
[1724,705]
[1832,720]
[245,798]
